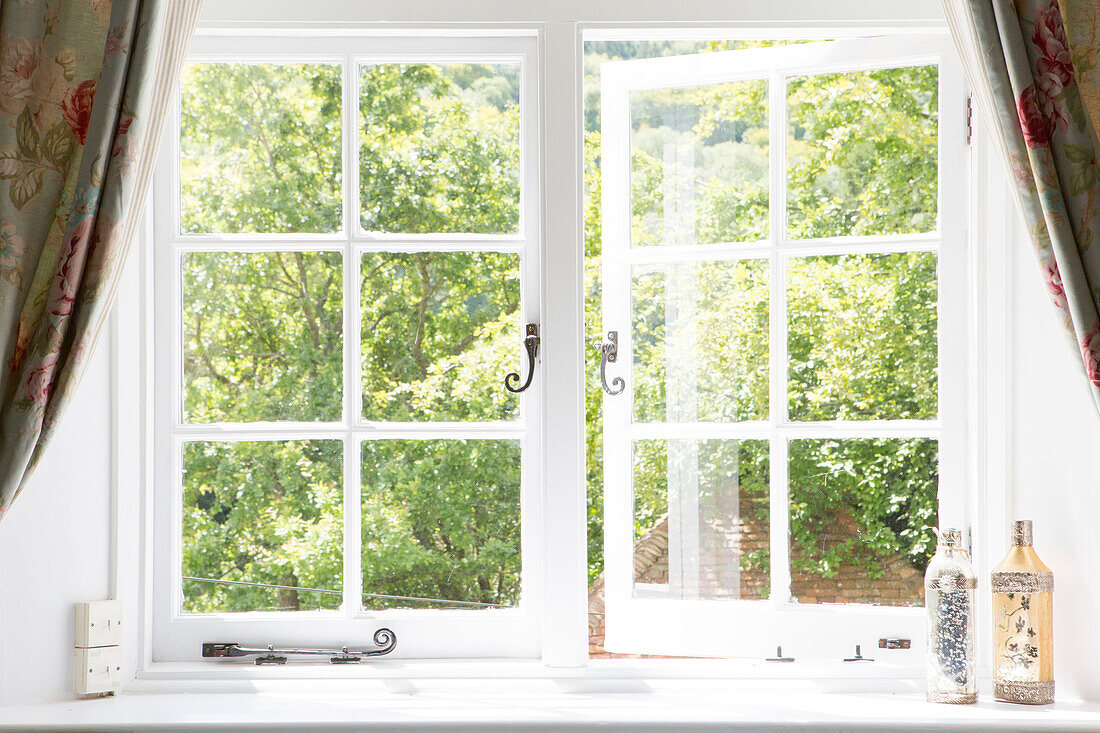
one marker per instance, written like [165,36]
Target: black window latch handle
[531,344]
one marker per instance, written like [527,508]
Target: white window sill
[183,676]
[420,695]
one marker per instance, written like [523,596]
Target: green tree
[862,161]
[264,334]
[438,152]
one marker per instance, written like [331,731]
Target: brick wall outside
[900,584]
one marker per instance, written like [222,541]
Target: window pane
[440,331]
[262,336]
[862,153]
[701,518]
[260,148]
[262,512]
[700,341]
[699,169]
[439,148]
[441,520]
[862,343]
[861,514]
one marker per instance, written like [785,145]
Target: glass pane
[263,334]
[701,518]
[861,514]
[439,148]
[862,343]
[700,341]
[862,153]
[440,331]
[268,513]
[260,148]
[699,168]
[441,523]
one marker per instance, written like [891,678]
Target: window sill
[412,695]
[191,676]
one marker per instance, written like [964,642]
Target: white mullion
[256,436]
[455,242]
[251,240]
[696,253]
[259,431]
[534,501]
[352,545]
[757,430]
[840,429]
[429,244]
[444,434]
[807,248]
[779,528]
[249,246]
[321,431]
[858,246]
[903,242]
[441,429]
[762,430]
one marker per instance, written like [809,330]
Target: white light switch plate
[98,623]
[98,669]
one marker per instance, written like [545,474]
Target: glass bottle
[1023,624]
[949,596]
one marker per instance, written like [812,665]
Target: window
[347,250]
[349,246]
[781,257]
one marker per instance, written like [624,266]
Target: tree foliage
[438,151]
[264,336]
[862,330]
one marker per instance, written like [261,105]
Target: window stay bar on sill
[384,638]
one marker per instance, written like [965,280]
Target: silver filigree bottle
[949,596]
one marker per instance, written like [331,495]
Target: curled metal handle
[531,343]
[609,352]
[384,639]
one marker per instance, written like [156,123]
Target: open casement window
[783,265]
[347,252]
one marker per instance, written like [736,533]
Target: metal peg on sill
[779,656]
[859,657]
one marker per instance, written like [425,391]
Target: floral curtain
[84,87]
[1032,66]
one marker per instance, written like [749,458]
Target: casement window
[353,233]
[347,250]
[783,259]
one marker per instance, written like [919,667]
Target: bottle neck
[1021,534]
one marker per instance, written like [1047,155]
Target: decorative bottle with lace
[949,595]
[1023,624]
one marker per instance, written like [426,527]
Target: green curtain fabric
[1034,82]
[84,87]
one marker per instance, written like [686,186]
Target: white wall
[55,545]
[1055,469]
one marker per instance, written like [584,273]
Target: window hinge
[969,118]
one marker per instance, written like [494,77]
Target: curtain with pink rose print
[84,90]
[1033,67]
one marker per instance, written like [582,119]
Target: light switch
[97,670]
[99,623]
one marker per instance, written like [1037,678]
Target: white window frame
[513,632]
[647,623]
[560,615]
